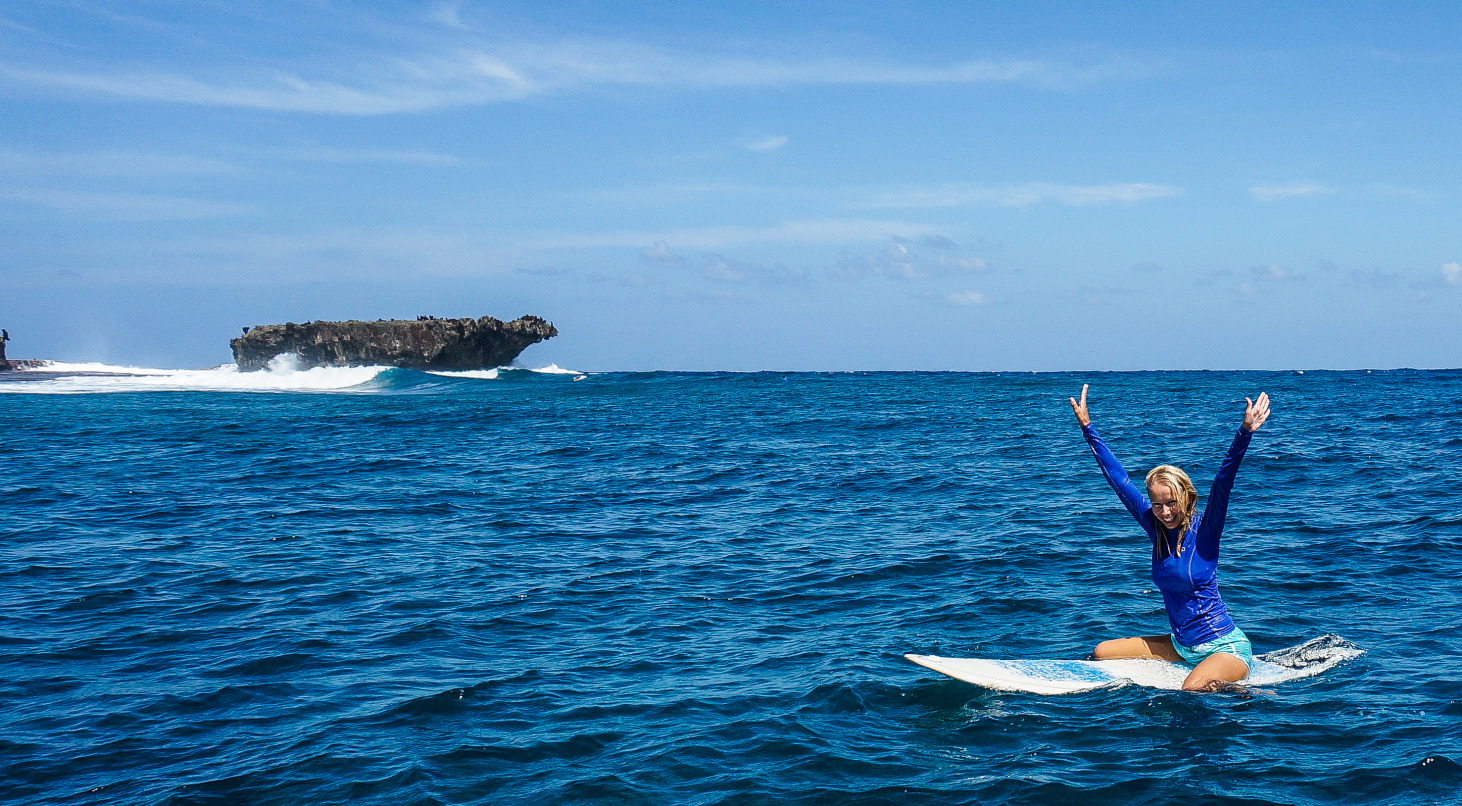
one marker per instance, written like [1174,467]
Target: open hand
[1084,417]
[1256,412]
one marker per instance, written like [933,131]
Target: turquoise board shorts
[1233,642]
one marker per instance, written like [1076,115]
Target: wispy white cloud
[279,92]
[1452,273]
[966,298]
[1273,273]
[659,254]
[1258,279]
[721,269]
[1377,278]
[544,271]
[462,71]
[450,15]
[6,22]
[1268,193]
[726,270]
[895,196]
[821,231]
[910,259]
[1019,195]
[770,143]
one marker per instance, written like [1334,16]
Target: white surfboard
[1070,676]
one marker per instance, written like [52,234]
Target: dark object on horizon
[426,343]
[4,337]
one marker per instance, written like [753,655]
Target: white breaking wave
[555,369]
[493,374]
[94,367]
[480,374]
[280,376]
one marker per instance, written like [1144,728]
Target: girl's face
[1165,504]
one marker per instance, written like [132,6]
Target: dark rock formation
[427,343]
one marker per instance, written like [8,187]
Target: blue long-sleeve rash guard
[1187,578]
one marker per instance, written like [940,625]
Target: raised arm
[1255,413]
[1116,475]
[1216,510]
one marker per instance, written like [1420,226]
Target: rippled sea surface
[399,588]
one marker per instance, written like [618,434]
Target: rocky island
[424,343]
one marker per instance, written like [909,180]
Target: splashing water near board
[1306,660]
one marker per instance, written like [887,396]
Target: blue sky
[704,186]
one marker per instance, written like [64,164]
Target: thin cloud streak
[1269,193]
[901,196]
[284,93]
[473,75]
[826,231]
[766,143]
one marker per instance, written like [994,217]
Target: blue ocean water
[387,587]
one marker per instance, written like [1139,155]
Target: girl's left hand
[1256,412]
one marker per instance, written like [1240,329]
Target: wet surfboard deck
[1070,676]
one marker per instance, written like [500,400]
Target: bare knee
[1105,651]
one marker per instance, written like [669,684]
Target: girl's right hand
[1082,415]
[1256,412]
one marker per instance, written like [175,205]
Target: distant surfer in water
[1184,558]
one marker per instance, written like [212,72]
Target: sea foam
[496,372]
[281,376]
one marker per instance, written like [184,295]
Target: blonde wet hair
[1183,491]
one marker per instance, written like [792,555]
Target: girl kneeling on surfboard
[1184,558]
